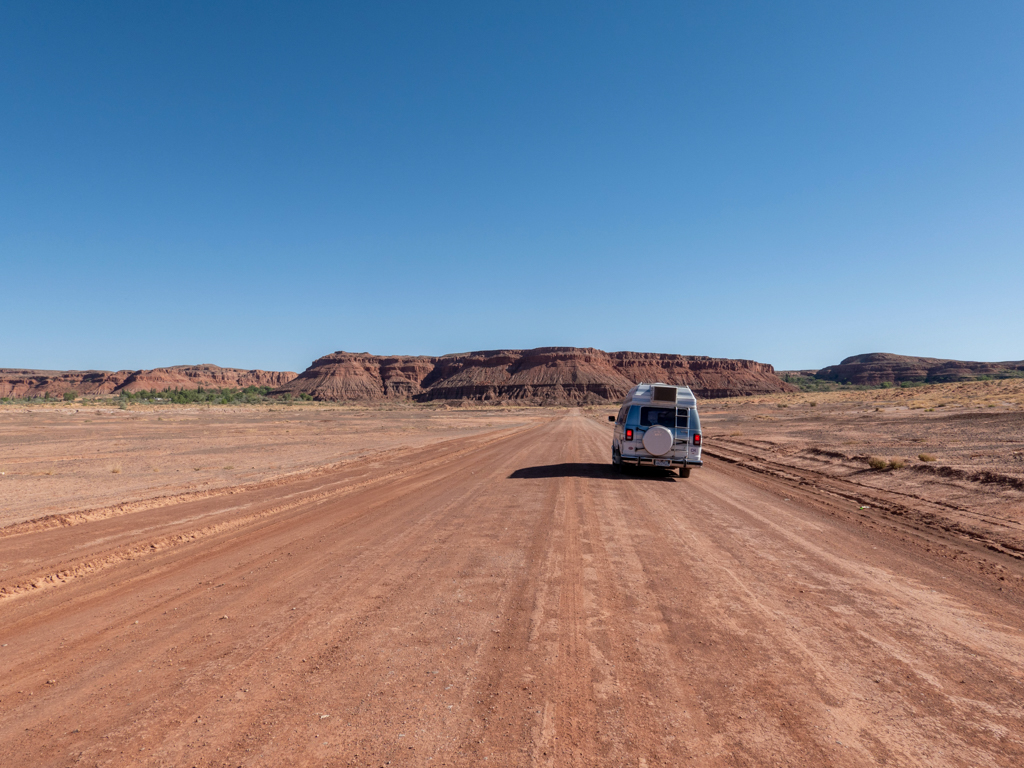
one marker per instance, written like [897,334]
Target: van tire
[684,471]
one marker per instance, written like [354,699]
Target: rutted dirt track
[507,600]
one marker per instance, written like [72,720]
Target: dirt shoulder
[948,459]
[67,460]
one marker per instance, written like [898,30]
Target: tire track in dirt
[953,522]
[371,585]
[446,449]
[753,571]
[182,525]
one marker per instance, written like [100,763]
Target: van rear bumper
[648,461]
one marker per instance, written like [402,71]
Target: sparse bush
[224,396]
[926,457]
[69,396]
[878,463]
[116,469]
[812,384]
[813,403]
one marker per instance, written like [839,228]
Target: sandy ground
[961,447]
[66,460]
[510,600]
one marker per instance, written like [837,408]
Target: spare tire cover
[658,441]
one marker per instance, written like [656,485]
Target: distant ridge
[16,382]
[551,375]
[882,367]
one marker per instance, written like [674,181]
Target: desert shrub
[305,396]
[926,457]
[70,395]
[813,403]
[885,385]
[811,384]
[897,463]
[116,469]
[876,463]
[223,396]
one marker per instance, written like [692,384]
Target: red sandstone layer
[881,367]
[547,375]
[29,383]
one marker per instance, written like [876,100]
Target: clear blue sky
[257,184]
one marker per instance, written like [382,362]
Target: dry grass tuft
[116,469]
[878,463]
[927,457]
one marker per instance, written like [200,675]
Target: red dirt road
[507,600]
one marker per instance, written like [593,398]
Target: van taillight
[696,438]
[629,434]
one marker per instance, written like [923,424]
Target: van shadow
[606,471]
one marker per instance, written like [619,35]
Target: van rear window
[666,417]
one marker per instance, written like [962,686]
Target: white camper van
[657,426]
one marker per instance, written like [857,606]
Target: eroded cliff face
[29,383]
[206,376]
[881,367]
[557,375]
[18,382]
[348,376]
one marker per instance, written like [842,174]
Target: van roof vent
[663,394]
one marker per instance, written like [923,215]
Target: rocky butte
[29,383]
[881,367]
[549,375]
